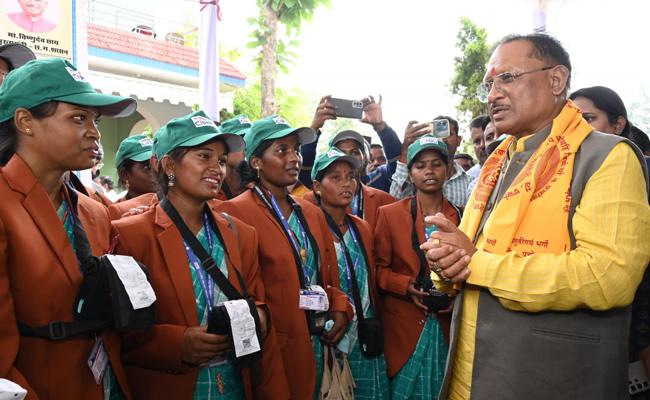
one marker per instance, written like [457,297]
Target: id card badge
[314,299]
[98,361]
[354,309]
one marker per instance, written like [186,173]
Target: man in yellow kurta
[552,246]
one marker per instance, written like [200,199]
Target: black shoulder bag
[315,319]
[219,323]
[436,301]
[371,330]
[101,301]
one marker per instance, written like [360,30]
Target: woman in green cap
[296,252]
[134,167]
[416,351]
[335,185]
[177,358]
[48,126]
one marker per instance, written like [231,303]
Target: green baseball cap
[193,130]
[345,135]
[40,81]
[426,142]
[239,125]
[333,155]
[137,148]
[493,145]
[16,55]
[274,127]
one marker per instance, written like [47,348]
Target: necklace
[343,224]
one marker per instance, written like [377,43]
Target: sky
[405,49]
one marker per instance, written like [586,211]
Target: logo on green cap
[244,120]
[146,142]
[202,121]
[76,75]
[334,153]
[280,120]
[429,140]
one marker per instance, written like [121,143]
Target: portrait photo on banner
[36,16]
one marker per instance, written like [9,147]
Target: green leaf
[265,29]
[252,45]
[252,21]
[289,3]
[327,4]
[261,41]
[284,69]
[294,43]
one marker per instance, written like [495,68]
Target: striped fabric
[222,381]
[313,271]
[369,373]
[612,231]
[421,377]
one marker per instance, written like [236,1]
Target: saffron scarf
[533,215]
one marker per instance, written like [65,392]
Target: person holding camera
[335,183]
[48,126]
[180,357]
[296,252]
[415,349]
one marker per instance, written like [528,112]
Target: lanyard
[357,203]
[207,283]
[70,214]
[303,252]
[356,261]
[426,233]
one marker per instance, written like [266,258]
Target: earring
[171,180]
[127,185]
[258,172]
[318,193]
[28,130]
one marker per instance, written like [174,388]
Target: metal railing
[105,14]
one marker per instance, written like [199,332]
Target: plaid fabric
[454,189]
[109,384]
[470,188]
[211,380]
[312,271]
[421,376]
[369,373]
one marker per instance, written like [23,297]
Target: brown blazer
[39,279]
[117,209]
[152,356]
[397,263]
[280,277]
[372,200]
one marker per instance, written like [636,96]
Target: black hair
[9,64]
[608,101]
[9,135]
[452,122]
[463,155]
[638,137]
[376,146]
[247,174]
[545,48]
[443,157]
[126,165]
[486,120]
[107,180]
[478,122]
[319,177]
[163,180]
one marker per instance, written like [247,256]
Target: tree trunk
[269,62]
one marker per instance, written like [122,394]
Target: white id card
[314,299]
[242,323]
[98,361]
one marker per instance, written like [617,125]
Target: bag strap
[82,245]
[226,189]
[356,294]
[416,242]
[373,289]
[58,330]
[207,262]
[231,224]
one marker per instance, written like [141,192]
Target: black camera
[436,300]
[316,321]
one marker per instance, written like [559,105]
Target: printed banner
[47,27]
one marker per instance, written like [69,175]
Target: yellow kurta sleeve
[612,230]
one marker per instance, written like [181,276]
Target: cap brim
[234,143]
[305,135]
[109,105]
[433,148]
[17,54]
[352,160]
[144,156]
[346,135]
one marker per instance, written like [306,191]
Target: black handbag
[101,302]
[371,330]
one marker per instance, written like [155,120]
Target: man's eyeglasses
[500,81]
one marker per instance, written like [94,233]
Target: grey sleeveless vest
[579,354]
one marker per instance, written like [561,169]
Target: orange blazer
[397,263]
[372,200]
[39,279]
[282,284]
[152,356]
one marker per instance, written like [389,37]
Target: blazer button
[488,206]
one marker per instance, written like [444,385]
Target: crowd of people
[399,270]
